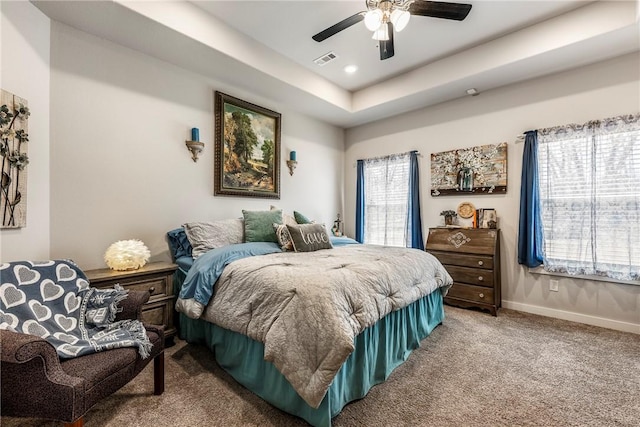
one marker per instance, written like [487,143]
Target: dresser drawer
[466,240]
[471,293]
[473,276]
[466,260]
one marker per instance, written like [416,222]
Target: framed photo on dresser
[488,218]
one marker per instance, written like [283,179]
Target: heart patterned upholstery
[53,300]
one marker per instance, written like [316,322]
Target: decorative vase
[448,220]
[465,179]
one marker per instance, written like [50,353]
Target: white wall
[119,165]
[597,91]
[24,72]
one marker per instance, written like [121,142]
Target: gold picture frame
[247,149]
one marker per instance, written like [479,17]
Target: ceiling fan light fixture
[400,19]
[373,19]
[381,33]
[381,16]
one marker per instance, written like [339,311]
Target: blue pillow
[178,243]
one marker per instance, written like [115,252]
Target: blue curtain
[530,227]
[360,202]
[414,218]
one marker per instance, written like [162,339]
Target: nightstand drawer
[473,276]
[157,287]
[465,260]
[159,313]
[471,293]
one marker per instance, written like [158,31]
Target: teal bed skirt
[379,349]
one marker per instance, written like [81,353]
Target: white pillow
[205,236]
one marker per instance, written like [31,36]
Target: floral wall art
[14,136]
[475,170]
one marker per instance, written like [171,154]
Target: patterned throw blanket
[53,300]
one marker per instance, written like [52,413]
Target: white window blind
[386,190]
[589,179]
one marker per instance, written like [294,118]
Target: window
[386,193]
[388,205]
[589,194]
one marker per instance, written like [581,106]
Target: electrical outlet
[553,285]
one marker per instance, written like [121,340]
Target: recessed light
[350,69]
[473,91]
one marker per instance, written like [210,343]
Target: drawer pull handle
[152,289]
[480,262]
[481,295]
[480,278]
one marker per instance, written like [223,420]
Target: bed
[304,345]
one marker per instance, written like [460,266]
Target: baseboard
[574,317]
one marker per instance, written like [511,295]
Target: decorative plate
[466,210]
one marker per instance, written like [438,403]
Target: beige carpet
[474,370]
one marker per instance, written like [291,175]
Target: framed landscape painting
[247,149]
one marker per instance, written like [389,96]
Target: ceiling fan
[384,16]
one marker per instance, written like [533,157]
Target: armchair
[36,383]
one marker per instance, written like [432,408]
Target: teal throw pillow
[258,225]
[301,219]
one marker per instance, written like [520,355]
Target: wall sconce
[195,146]
[292,162]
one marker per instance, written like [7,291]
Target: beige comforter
[307,308]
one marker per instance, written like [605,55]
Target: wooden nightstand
[156,278]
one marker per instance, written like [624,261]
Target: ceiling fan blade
[440,9]
[386,46]
[342,25]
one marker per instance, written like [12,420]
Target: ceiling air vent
[326,58]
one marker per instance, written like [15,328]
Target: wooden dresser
[472,258]
[156,278]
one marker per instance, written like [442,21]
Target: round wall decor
[466,210]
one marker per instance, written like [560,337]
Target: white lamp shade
[373,19]
[400,19]
[381,33]
[127,255]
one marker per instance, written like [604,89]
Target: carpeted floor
[474,370]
